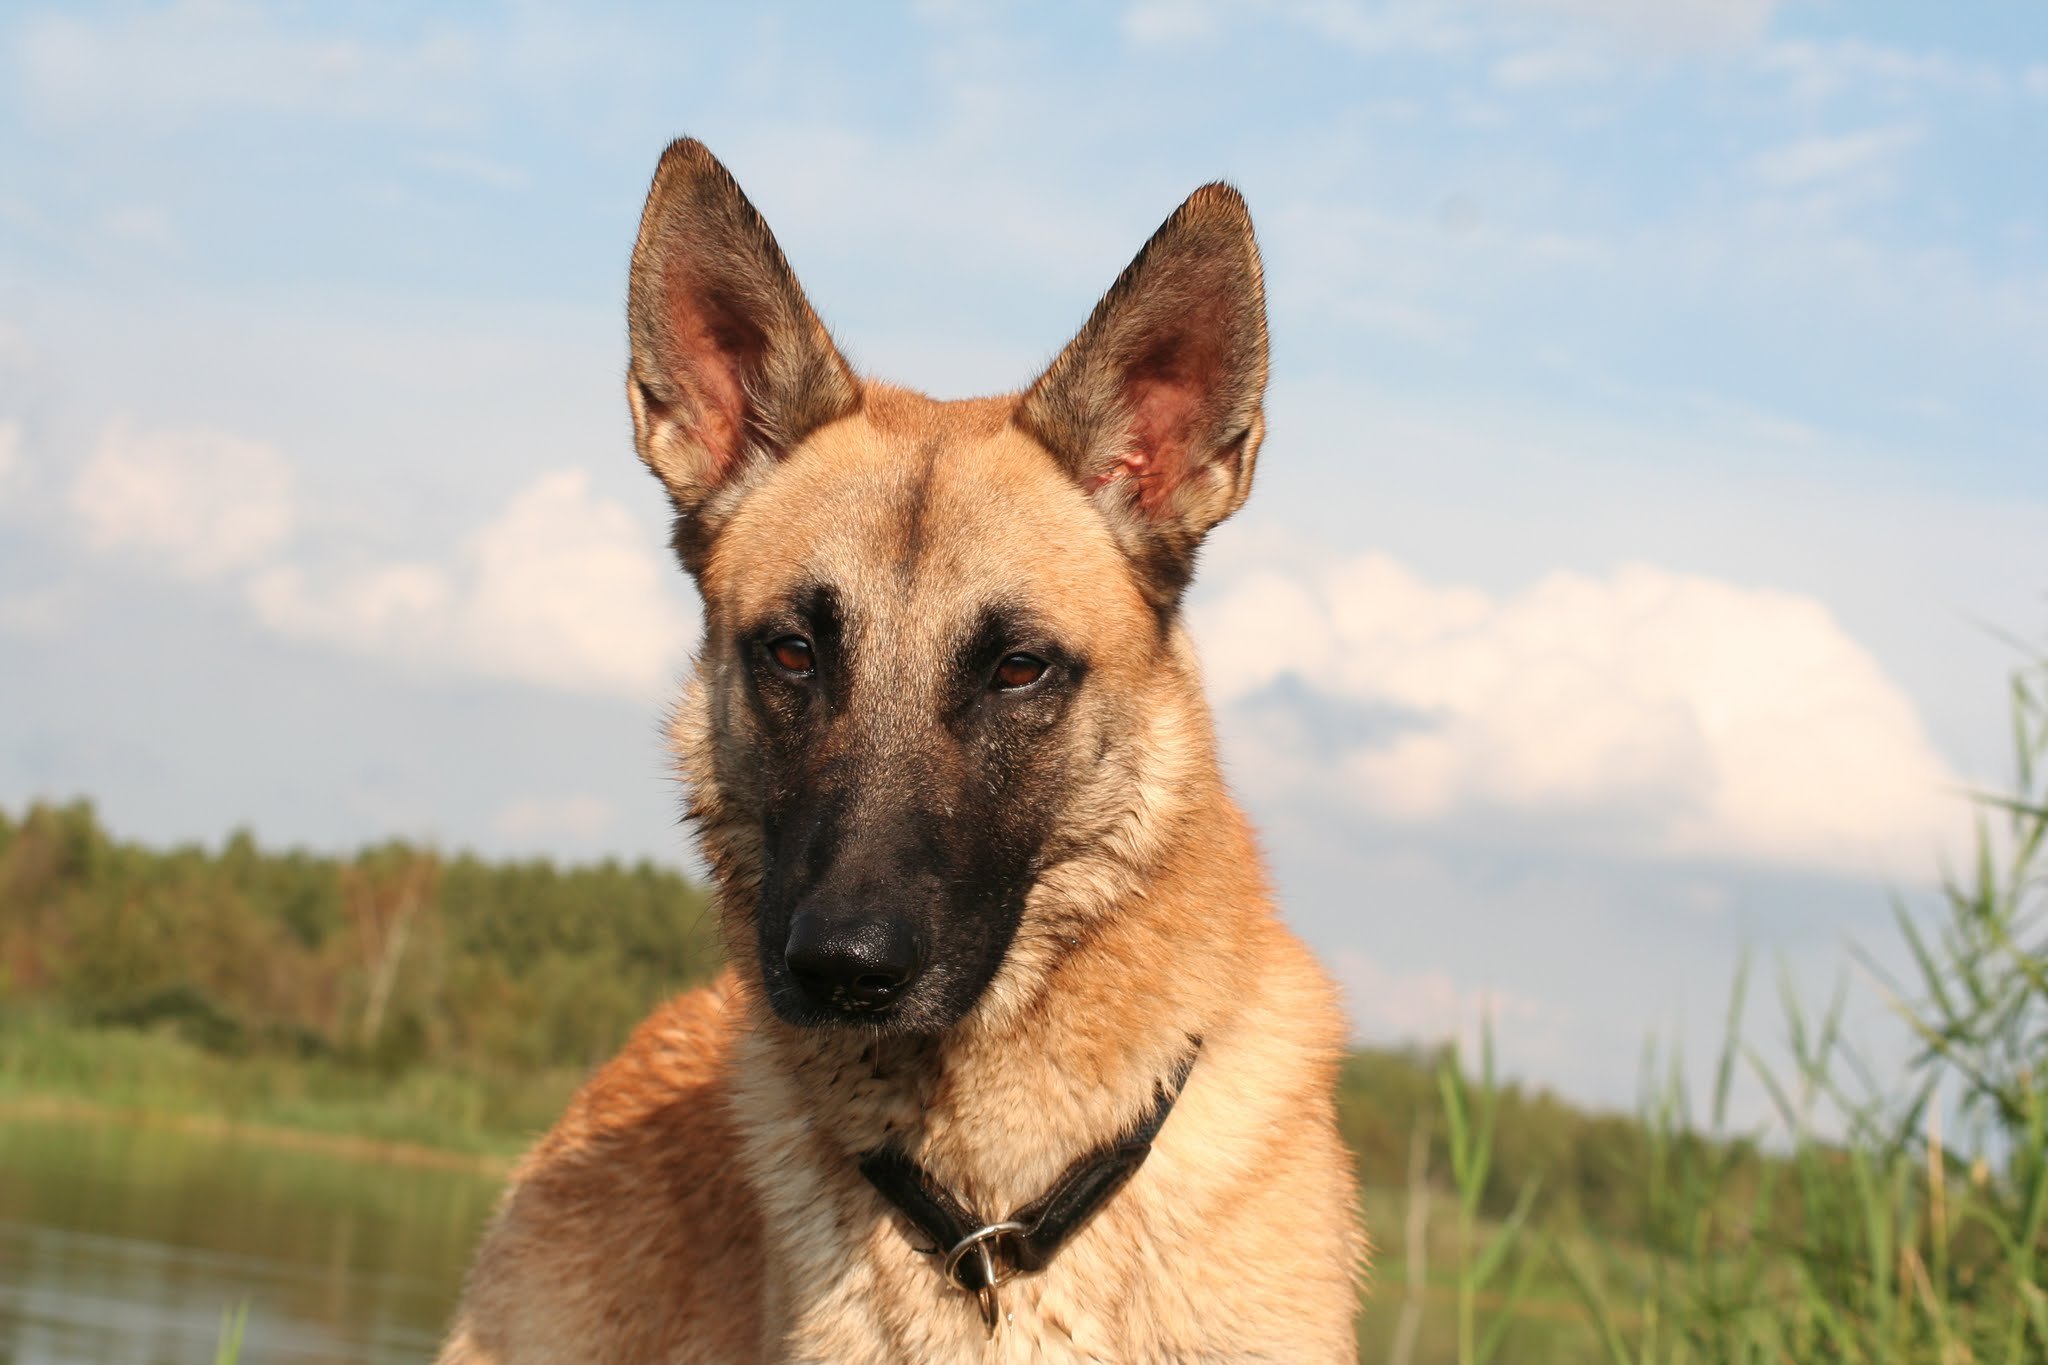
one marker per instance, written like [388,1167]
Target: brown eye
[792,654]
[1019,670]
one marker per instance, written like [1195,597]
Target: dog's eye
[792,654]
[1018,670]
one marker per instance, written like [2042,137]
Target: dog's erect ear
[1155,407]
[730,366]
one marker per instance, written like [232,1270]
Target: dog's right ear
[730,367]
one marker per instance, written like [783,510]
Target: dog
[1014,1059]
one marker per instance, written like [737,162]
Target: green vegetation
[401,996]
[232,1325]
[48,1065]
[394,994]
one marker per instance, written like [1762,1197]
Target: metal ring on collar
[979,1241]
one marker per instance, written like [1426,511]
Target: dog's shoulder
[631,1216]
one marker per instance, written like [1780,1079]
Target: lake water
[124,1245]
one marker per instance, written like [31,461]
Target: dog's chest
[904,1311]
[871,1293]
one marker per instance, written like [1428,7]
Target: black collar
[979,1253]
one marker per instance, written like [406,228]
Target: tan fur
[701,1198]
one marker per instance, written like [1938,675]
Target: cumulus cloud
[1649,711]
[200,503]
[563,589]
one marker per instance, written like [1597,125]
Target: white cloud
[1871,154]
[1431,1006]
[548,821]
[1370,30]
[1666,25]
[564,590]
[13,468]
[203,56]
[1646,711]
[2037,79]
[1169,21]
[1395,28]
[1821,70]
[148,67]
[1546,67]
[200,502]
[1433,27]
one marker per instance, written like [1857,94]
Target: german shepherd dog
[1014,1059]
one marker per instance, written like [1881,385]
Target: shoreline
[55,1108]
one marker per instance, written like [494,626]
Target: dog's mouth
[915,1009]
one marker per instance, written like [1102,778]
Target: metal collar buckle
[979,1242]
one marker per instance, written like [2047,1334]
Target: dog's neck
[1067,1075]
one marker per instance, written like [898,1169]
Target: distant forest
[394,956]
[398,958]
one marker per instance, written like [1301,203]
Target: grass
[233,1323]
[48,1064]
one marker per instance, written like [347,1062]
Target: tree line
[393,956]
[398,956]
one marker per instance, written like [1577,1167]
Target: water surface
[123,1245]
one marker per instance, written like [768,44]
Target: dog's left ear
[1154,408]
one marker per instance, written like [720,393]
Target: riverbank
[70,1109]
[424,1115]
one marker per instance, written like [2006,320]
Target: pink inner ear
[1164,396]
[1161,448]
[712,348]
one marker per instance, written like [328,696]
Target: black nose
[853,963]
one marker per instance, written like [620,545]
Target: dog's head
[943,694]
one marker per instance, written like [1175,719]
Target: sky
[1653,481]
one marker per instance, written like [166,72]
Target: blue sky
[1655,430]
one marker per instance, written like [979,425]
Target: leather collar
[980,1254]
